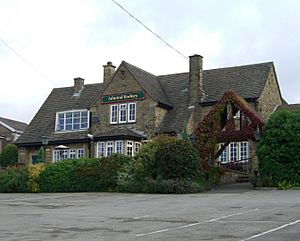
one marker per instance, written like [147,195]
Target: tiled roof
[248,81]
[60,99]
[120,133]
[176,89]
[149,82]
[17,125]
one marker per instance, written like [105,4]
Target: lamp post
[45,141]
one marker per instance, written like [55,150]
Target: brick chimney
[108,71]
[196,79]
[78,86]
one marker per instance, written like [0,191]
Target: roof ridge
[243,65]
[126,63]
[20,122]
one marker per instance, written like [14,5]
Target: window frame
[128,112]
[111,119]
[101,144]
[109,144]
[68,123]
[116,147]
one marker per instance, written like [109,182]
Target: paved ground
[227,213]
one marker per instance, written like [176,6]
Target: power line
[28,63]
[140,22]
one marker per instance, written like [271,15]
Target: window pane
[233,151]
[119,147]
[101,149]
[80,153]
[129,151]
[64,154]
[114,114]
[131,112]
[123,113]
[244,151]
[61,122]
[76,120]
[137,147]
[223,157]
[72,154]
[69,121]
[109,148]
[84,120]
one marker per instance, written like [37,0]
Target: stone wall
[270,97]
[147,113]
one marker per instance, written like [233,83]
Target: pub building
[131,105]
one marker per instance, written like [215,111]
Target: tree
[9,155]
[279,148]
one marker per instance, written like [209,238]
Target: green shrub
[163,165]
[279,149]
[100,174]
[213,176]
[9,155]
[82,175]
[59,176]
[14,179]
[169,158]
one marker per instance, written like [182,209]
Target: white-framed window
[223,157]
[56,155]
[244,151]
[129,148]
[72,120]
[119,147]
[233,151]
[131,112]
[72,153]
[100,149]
[236,151]
[109,148]
[137,146]
[113,114]
[123,113]
[80,153]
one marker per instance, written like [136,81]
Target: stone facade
[270,97]
[146,109]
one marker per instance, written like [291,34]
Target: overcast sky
[47,43]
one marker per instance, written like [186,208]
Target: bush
[100,174]
[9,155]
[33,176]
[163,165]
[279,149]
[169,158]
[14,179]
[57,177]
[82,175]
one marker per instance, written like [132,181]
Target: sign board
[123,97]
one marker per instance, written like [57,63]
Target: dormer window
[72,120]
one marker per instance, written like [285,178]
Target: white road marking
[145,216]
[271,230]
[197,223]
